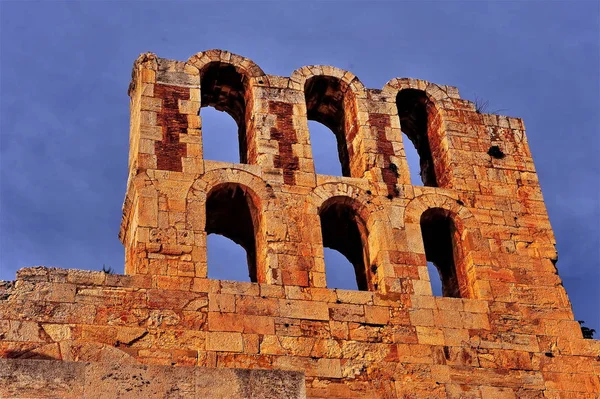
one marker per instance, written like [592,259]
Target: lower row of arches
[233,224]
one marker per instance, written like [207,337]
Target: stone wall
[504,328]
[21,378]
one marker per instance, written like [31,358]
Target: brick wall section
[441,167]
[170,150]
[389,171]
[511,335]
[284,133]
[351,127]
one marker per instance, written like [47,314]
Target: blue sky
[64,110]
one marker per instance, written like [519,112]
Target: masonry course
[503,329]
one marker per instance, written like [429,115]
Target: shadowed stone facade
[503,329]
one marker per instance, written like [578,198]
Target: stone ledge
[25,378]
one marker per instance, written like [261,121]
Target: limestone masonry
[503,329]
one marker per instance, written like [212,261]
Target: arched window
[226,260]
[441,240]
[220,131]
[344,231]
[331,102]
[417,118]
[324,144]
[434,279]
[224,89]
[231,213]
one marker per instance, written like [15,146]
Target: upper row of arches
[331,105]
[248,70]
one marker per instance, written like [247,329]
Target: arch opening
[226,259]
[224,88]
[441,240]
[416,113]
[220,128]
[414,162]
[339,271]
[324,144]
[231,213]
[330,102]
[434,279]
[344,231]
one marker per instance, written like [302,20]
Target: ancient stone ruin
[503,328]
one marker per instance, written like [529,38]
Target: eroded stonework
[503,329]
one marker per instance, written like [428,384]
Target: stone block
[78,380]
[41,378]
[303,310]
[224,341]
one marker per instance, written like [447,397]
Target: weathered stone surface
[503,328]
[41,379]
[78,380]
